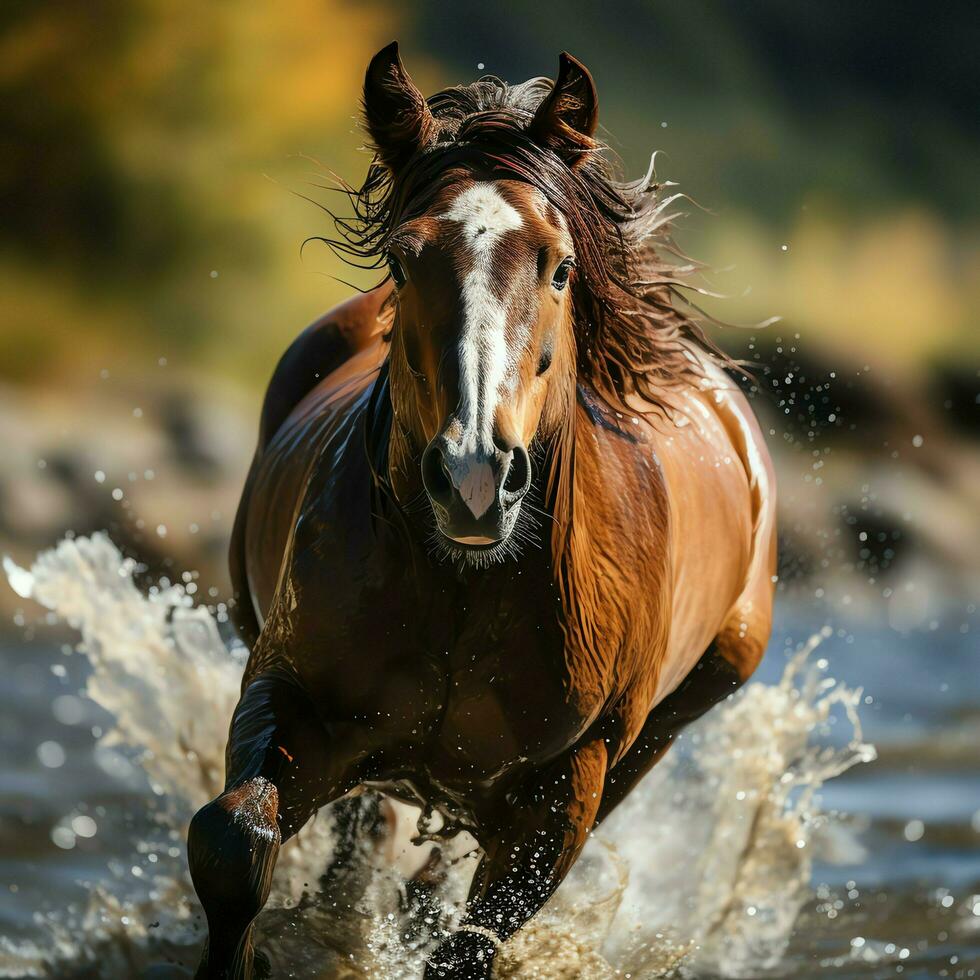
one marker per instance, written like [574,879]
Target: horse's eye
[398,276]
[560,279]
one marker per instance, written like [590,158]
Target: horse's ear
[396,114]
[567,118]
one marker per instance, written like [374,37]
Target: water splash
[702,870]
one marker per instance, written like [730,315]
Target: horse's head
[483,310]
[482,261]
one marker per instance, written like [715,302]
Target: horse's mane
[636,330]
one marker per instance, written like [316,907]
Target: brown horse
[509,525]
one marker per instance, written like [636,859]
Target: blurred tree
[872,101]
[133,138]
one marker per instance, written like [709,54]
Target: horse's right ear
[566,120]
[396,114]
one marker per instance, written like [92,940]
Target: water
[768,844]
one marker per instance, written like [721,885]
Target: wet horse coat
[433,647]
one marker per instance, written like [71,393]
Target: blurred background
[161,162]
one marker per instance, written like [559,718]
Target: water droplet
[68,709]
[84,826]
[914,830]
[51,755]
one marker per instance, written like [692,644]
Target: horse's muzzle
[475,495]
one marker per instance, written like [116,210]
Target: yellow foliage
[201,101]
[895,286]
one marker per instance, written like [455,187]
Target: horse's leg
[537,838]
[281,767]
[716,675]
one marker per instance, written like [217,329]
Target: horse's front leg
[282,765]
[526,859]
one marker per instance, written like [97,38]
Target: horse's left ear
[567,119]
[396,114]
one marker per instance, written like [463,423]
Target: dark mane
[636,332]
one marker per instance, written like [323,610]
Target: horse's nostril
[518,473]
[435,474]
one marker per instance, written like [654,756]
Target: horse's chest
[507,690]
[463,678]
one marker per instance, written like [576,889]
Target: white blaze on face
[485,216]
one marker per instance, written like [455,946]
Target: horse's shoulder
[329,364]
[726,400]
[742,496]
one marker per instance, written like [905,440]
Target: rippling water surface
[825,822]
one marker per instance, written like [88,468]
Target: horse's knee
[231,848]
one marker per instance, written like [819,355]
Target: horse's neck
[616,511]
[611,560]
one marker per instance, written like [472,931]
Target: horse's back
[317,381]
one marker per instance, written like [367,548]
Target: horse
[510,524]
